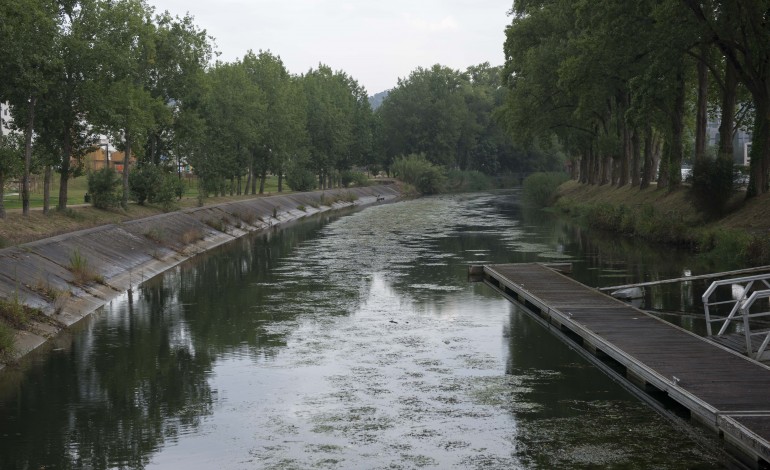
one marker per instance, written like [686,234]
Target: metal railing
[749,290]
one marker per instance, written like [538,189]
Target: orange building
[100,158]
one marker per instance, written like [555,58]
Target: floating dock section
[713,385]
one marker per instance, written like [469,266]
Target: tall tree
[331,104]
[129,111]
[28,34]
[426,113]
[739,29]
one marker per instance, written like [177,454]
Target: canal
[352,341]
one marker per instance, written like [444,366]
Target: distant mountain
[376,100]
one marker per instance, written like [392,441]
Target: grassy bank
[740,238]
[16,229]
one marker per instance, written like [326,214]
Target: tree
[425,114]
[739,30]
[28,33]
[11,162]
[129,111]
[283,133]
[235,122]
[332,99]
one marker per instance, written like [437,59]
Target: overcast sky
[374,41]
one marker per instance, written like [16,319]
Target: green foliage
[150,183]
[353,178]
[81,270]
[300,178]
[14,312]
[541,188]
[7,346]
[104,188]
[712,185]
[458,180]
[416,170]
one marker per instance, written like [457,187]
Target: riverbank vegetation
[630,90]
[92,82]
[673,217]
[658,105]
[14,316]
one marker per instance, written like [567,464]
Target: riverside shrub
[416,170]
[104,188]
[459,180]
[712,185]
[540,188]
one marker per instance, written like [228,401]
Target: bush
[418,171]
[300,178]
[540,188]
[355,178]
[104,188]
[468,181]
[712,185]
[150,183]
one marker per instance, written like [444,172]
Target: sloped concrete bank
[70,276]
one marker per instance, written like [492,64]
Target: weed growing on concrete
[248,217]
[81,271]
[158,235]
[302,208]
[60,300]
[7,348]
[216,224]
[191,236]
[57,297]
[325,200]
[349,196]
[14,312]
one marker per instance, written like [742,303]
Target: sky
[376,42]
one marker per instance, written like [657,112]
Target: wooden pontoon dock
[720,388]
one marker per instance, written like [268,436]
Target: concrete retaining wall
[120,256]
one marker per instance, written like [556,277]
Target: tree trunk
[240,181]
[649,163]
[262,178]
[280,180]
[27,156]
[2,196]
[760,149]
[584,168]
[636,176]
[47,190]
[64,177]
[701,118]
[126,163]
[671,166]
[727,122]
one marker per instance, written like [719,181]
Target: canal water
[351,341]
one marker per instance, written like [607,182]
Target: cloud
[448,23]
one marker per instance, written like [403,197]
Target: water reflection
[349,341]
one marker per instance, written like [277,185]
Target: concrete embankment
[70,276]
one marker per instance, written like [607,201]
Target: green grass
[77,188]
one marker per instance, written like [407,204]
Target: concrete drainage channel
[70,276]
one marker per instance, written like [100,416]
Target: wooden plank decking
[722,389]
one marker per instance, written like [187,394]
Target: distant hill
[376,100]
